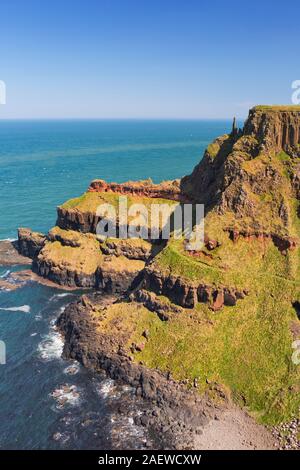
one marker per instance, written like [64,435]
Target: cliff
[226,314]
[253,177]
[275,128]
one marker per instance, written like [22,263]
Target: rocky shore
[175,415]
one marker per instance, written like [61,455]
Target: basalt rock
[282,243]
[275,128]
[163,309]
[136,249]
[72,219]
[118,274]
[188,294]
[30,243]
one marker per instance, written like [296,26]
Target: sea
[47,402]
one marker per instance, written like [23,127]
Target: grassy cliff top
[276,108]
[83,258]
[90,201]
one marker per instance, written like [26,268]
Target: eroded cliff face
[30,243]
[275,128]
[253,175]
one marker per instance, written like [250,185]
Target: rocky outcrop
[275,128]
[282,243]
[205,184]
[165,190]
[138,248]
[30,243]
[72,219]
[64,277]
[163,309]
[69,258]
[188,294]
[118,274]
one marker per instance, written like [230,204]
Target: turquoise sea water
[42,164]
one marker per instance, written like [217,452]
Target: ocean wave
[5,274]
[51,347]
[59,296]
[8,239]
[22,308]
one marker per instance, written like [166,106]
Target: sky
[181,59]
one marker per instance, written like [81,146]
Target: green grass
[89,201]
[277,108]
[213,149]
[247,348]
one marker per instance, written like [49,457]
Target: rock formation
[165,190]
[29,242]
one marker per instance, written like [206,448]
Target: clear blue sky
[146,58]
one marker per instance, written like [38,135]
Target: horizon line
[121,118]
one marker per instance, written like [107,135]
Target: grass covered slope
[90,201]
[247,347]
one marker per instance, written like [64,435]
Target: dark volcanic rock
[186,293]
[30,243]
[71,219]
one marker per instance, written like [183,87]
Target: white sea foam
[8,239]
[51,347]
[60,296]
[66,395]
[61,437]
[22,308]
[125,427]
[106,388]
[5,274]
[73,369]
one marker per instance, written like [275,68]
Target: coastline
[177,413]
[218,318]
